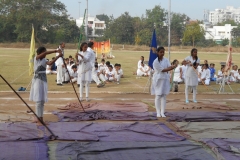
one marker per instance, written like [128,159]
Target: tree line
[52,25]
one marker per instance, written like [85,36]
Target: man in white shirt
[59,63]
[204,75]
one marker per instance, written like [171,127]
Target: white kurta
[191,77]
[161,80]
[177,73]
[39,85]
[85,67]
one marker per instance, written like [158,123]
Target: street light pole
[169,29]
[79,10]
[86,29]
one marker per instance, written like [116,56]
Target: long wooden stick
[73,85]
[29,108]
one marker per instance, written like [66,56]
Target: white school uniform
[85,67]
[74,75]
[39,84]
[139,64]
[177,73]
[184,69]
[59,63]
[144,68]
[161,80]
[205,73]
[191,77]
[110,75]
[233,77]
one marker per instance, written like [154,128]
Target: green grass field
[14,67]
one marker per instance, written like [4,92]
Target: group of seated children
[102,73]
[106,72]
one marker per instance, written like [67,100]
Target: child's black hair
[71,62]
[70,56]
[74,66]
[107,63]
[90,44]
[103,60]
[81,47]
[195,63]
[159,48]
[41,50]
[110,66]
[96,66]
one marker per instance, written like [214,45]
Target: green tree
[192,33]
[47,17]
[228,21]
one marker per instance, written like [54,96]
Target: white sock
[157,105]
[87,89]
[194,92]
[186,92]
[81,90]
[163,105]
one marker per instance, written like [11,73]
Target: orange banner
[102,47]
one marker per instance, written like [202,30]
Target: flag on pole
[153,50]
[32,53]
[229,57]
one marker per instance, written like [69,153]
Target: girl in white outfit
[39,87]
[161,81]
[177,77]
[84,69]
[191,77]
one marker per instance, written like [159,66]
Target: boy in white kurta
[39,87]
[161,81]
[191,77]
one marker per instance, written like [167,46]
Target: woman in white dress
[84,69]
[161,81]
[39,87]
[191,77]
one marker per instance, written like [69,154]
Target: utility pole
[79,10]
[169,29]
[86,29]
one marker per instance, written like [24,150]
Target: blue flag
[153,50]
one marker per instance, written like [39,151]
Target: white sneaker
[158,115]
[118,82]
[81,99]
[87,99]
[163,115]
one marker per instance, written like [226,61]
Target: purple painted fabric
[225,148]
[75,115]
[19,131]
[181,150]
[202,116]
[24,150]
[107,131]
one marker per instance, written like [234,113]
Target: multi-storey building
[220,15]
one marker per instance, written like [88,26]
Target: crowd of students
[206,73]
[102,72]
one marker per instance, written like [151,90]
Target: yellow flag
[32,54]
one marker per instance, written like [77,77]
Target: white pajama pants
[39,108]
[194,92]
[207,81]
[96,79]
[118,77]
[59,74]
[102,77]
[160,101]
[66,77]
[82,83]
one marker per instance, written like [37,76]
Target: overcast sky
[193,8]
